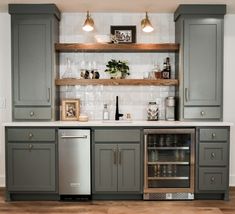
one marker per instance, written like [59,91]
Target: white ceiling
[154,6]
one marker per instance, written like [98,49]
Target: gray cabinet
[212,161]
[199,30]
[116,166]
[35,29]
[31,160]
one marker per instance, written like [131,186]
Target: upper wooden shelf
[116,82]
[98,47]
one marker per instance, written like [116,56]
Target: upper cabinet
[35,30]
[199,31]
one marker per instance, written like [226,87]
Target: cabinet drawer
[117,135]
[220,134]
[213,154]
[31,134]
[213,178]
[202,113]
[34,113]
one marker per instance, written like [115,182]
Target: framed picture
[124,34]
[70,109]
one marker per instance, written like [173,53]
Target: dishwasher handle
[74,137]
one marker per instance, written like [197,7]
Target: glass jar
[170,108]
[152,111]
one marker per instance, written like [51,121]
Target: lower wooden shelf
[117,82]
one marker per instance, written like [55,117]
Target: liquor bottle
[166,72]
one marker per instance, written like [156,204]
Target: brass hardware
[30,146]
[114,157]
[213,135]
[212,155]
[30,135]
[120,156]
[49,94]
[186,94]
[212,179]
[202,113]
[31,113]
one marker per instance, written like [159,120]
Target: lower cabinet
[117,162]
[117,167]
[213,162]
[31,167]
[31,160]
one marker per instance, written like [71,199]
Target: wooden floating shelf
[116,82]
[98,47]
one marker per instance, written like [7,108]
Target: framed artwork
[70,109]
[124,34]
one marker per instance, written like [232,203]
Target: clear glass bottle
[105,112]
[170,108]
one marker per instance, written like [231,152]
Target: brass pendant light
[88,24]
[146,24]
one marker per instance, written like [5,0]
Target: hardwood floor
[120,207]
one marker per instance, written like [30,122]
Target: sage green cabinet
[199,31]
[35,30]
[212,161]
[116,161]
[31,160]
[117,167]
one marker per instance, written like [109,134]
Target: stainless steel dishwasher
[74,162]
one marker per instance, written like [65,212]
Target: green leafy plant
[117,69]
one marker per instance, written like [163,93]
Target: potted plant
[117,69]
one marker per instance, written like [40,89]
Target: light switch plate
[2,103]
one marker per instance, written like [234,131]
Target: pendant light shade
[88,24]
[146,24]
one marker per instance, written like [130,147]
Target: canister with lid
[152,111]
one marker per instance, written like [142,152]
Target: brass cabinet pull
[31,113]
[30,135]
[114,157]
[30,146]
[120,156]
[212,155]
[49,94]
[186,94]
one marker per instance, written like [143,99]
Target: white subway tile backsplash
[132,99]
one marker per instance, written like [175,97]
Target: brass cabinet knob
[212,155]
[212,179]
[31,113]
[213,135]
[30,135]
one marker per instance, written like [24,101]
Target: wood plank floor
[120,207]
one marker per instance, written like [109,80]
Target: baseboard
[2,181]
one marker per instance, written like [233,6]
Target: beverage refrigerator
[169,164]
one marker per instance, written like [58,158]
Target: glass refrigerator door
[169,160]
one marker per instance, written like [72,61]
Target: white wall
[229,86]
[5,85]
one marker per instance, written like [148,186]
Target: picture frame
[124,34]
[70,109]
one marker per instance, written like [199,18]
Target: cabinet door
[203,62]
[128,167]
[105,167]
[31,42]
[31,167]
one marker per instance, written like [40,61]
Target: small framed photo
[70,109]
[124,34]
